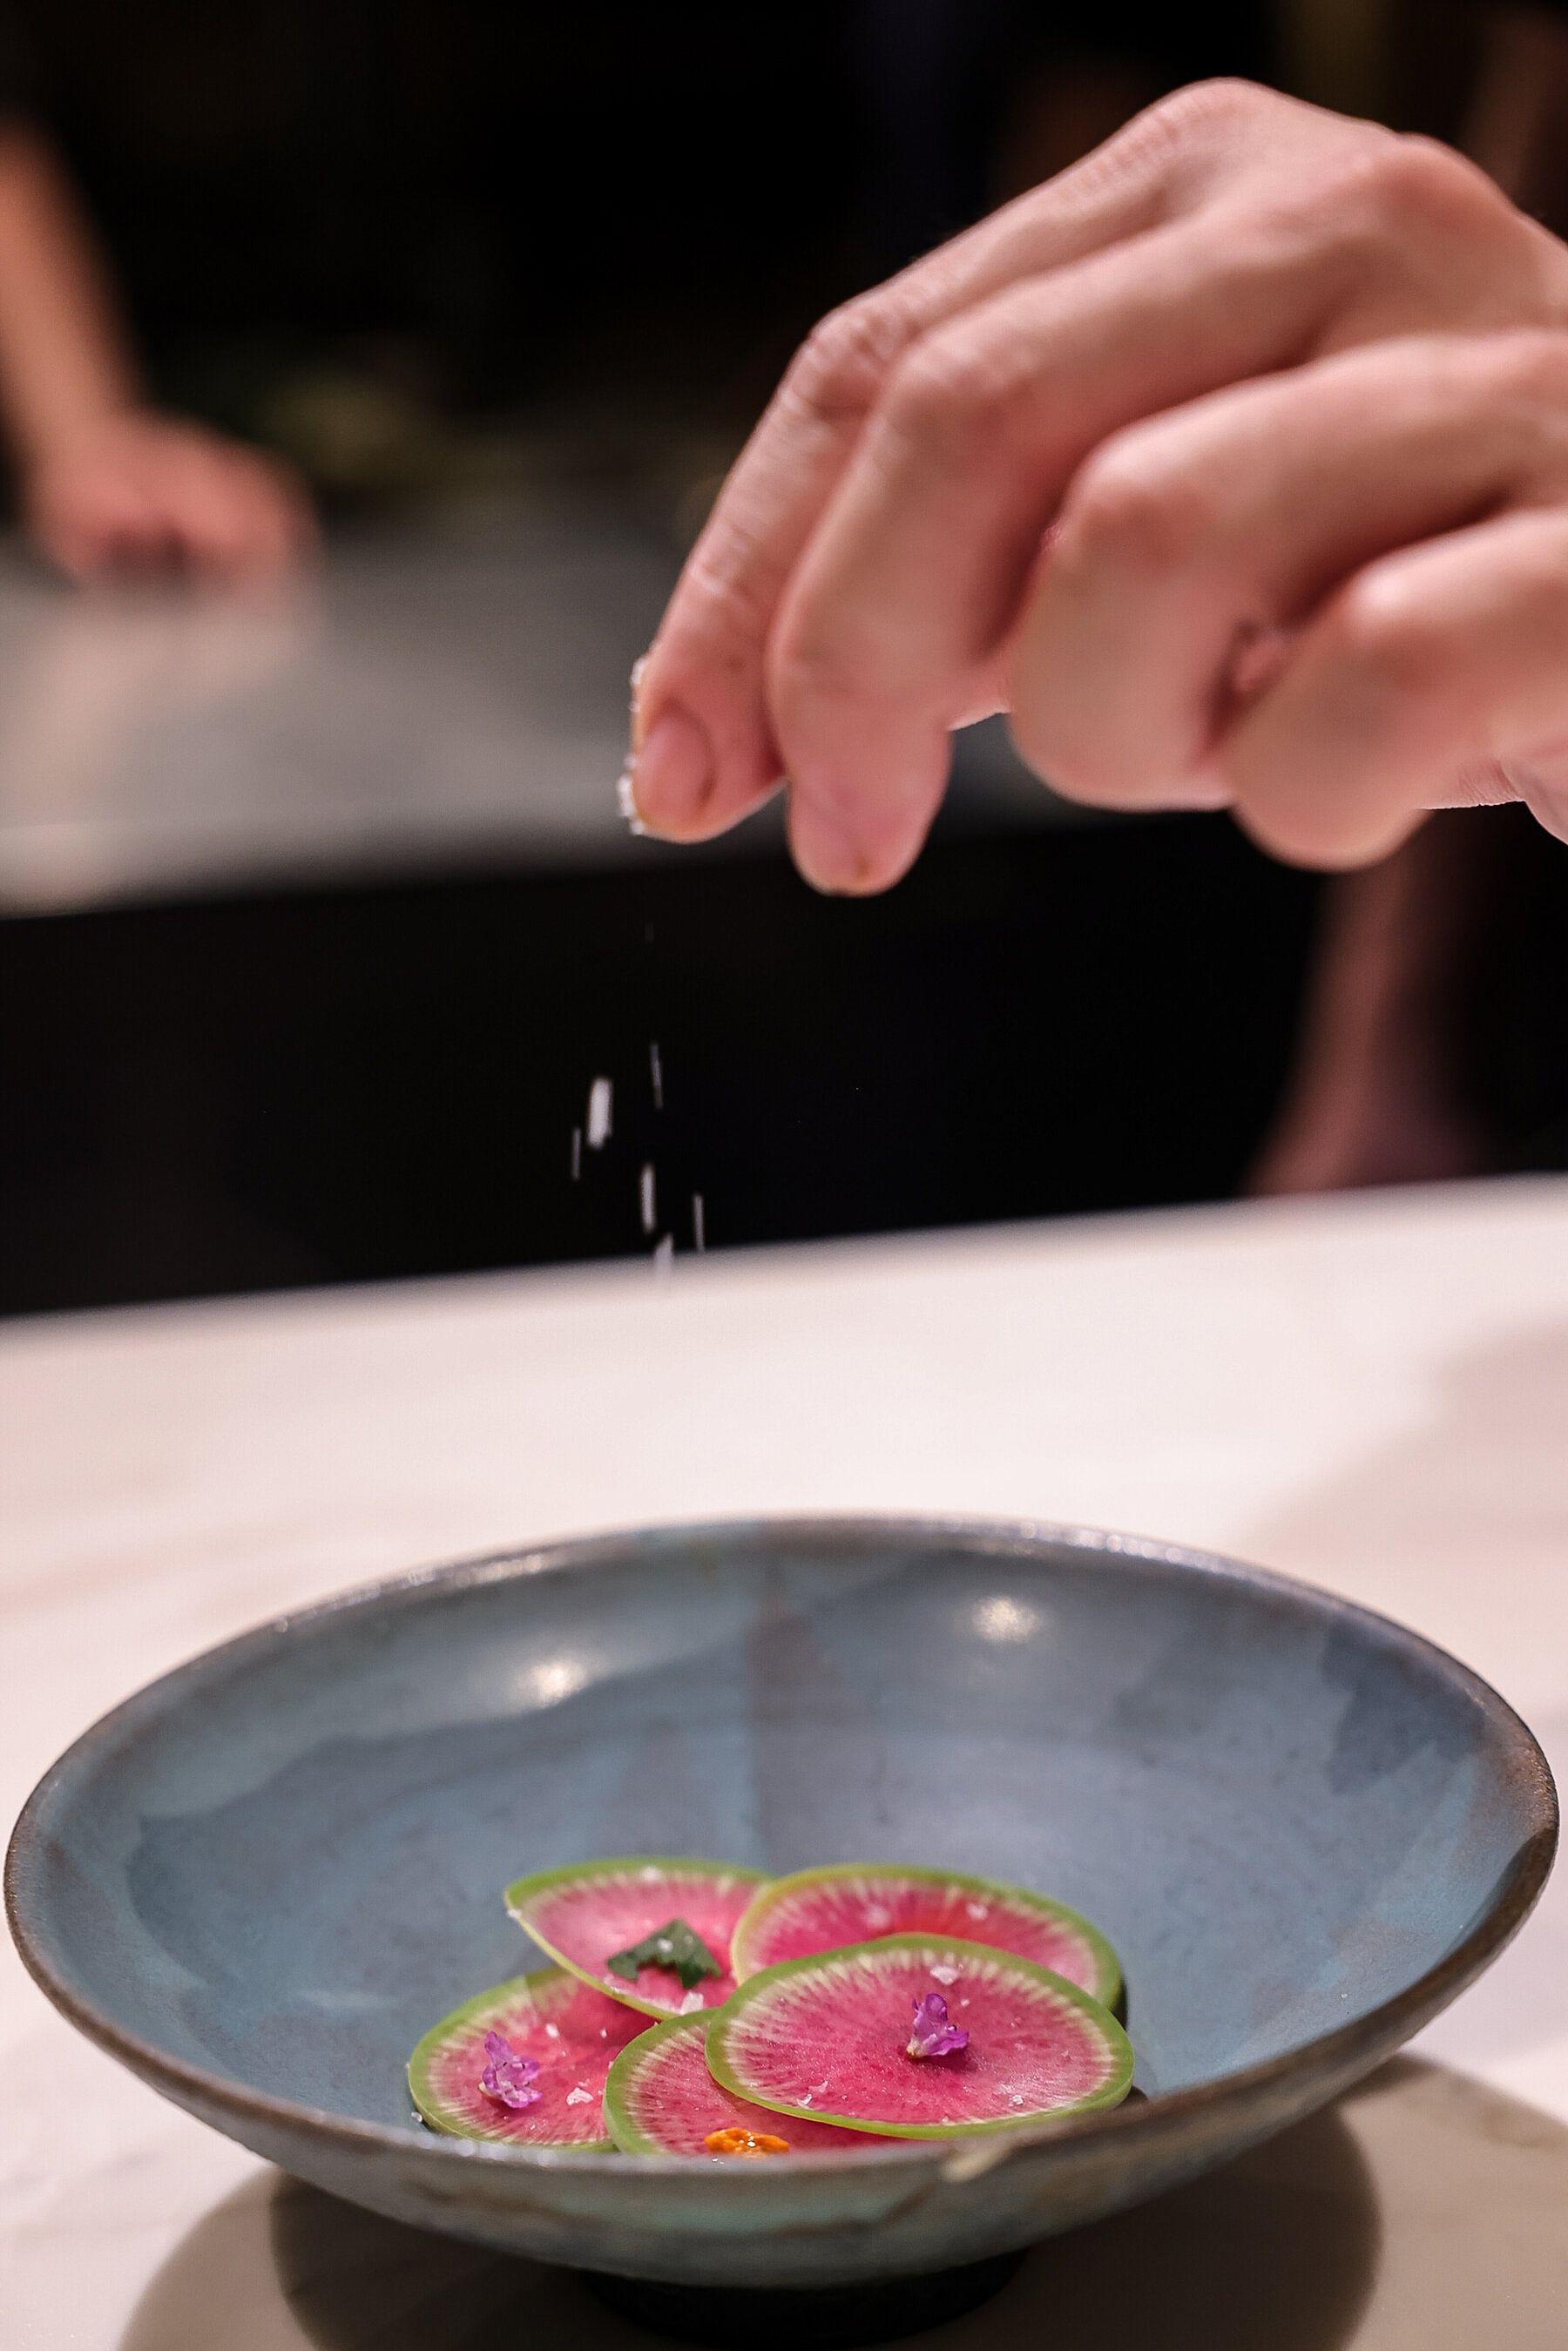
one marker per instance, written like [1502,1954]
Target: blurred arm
[106,484]
[66,363]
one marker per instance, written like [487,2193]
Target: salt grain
[600,1097]
[944,1975]
[553,2032]
[626,801]
[690,2004]
[977,1909]
[578,2097]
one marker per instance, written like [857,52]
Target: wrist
[64,434]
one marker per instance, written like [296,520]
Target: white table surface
[1371,1393]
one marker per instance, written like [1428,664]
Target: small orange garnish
[736,2141]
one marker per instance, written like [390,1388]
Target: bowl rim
[1336,2057]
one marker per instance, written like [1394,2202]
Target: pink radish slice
[660,2099]
[826,2037]
[581,1916]
[574,2032]
[854,1902]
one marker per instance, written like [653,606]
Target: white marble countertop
[1371,1393]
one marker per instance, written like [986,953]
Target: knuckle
[1388,646]
[809,665]
[1398,190]
[1127,510]
[953,395]
[840,368]
[1223,102]
[1532,363]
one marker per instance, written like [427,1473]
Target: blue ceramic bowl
[1305,1830]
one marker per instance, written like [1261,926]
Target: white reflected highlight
[551,1680]
[1003,1618]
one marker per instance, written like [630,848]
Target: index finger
[702,754]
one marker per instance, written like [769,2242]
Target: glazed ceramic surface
[1304,1829]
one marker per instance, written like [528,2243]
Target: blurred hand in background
[107,487]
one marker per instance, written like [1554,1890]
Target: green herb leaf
[675,1945]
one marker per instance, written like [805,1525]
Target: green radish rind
[484,2008]
[1106,1988]
[645,2058]
[1118,2048]
[524,1891]
[625,2132]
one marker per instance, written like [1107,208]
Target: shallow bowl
[1305,1830]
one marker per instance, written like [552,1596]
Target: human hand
[1233,464]
[141,494]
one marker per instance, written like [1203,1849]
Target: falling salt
[699,1223]
[578,2097]
[600,1097]
[576,1153]
[664,1255]
[944,1975]
[645,1196]
[656,1074]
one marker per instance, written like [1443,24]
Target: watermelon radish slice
[660,2099]
[587,1915]
[854,1902]
[549,2020]
[828,2037]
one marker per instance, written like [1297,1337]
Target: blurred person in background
[1434,1038]
[108,485]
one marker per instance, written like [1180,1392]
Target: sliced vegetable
[826,2038]
[595,1917]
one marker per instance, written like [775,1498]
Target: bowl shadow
[1276,2252]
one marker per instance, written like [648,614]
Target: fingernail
[828,857]
[672,770]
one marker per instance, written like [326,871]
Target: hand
[141,495]
[1233,464]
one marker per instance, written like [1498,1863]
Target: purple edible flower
[933,2036]
[510,2076]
